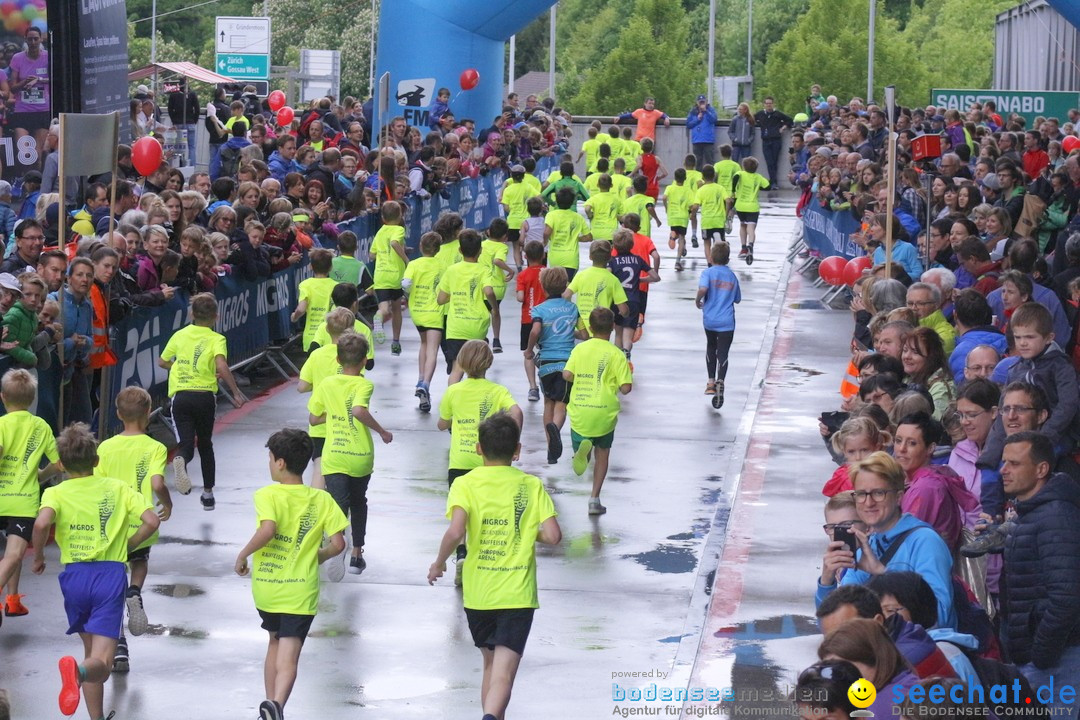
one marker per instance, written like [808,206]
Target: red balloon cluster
[146,155]
[285,116]
[276,100]
[1070,143]
[469,79]
[855,268]
[831,270]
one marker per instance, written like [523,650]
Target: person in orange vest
[105,262]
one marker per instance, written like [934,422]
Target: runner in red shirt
[530,293]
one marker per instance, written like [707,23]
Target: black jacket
[1042,575]
[183,109]
[772,123]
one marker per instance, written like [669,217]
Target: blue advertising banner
[829,232]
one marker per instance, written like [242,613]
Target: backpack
[1031,215]
[230,161]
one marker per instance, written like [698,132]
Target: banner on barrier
[830,232]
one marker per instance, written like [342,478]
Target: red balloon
[831,270]
[469,79]
[285,116]
[854,268]
[1070,143]
[146,155]
[276,100]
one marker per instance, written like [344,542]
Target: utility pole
[551,52]
[153,41]
[712,50]
[870,55]
[513,58]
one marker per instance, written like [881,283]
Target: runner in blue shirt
[718,291]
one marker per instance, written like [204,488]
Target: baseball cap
[938,118]
[824,152]
[823,106]
[991,182]
[701,97]
[8,282]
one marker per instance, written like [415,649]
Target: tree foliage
[651,57]
[820,49]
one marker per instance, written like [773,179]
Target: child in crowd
[24,439]
[597,372]
[493,254]
[314,294]
[139,460]
[421,285]
[388,250]
[565,229]
[465,406]
[745,188]
[465,288]
[640,201]
[552,334]
[620,179]
[651,169]
[500,594]
[292,520]
[21,321]
[856,439]
[340,401]
[195,357]
[718,292]
[714,202]
[596,286]
[321,364]
[628,268]
[93,548]
[678,197]
[603,208]
[631,151]
[530,293]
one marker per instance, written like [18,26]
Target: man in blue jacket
[974,326]
[701,122]
[282,161]
[1041,626]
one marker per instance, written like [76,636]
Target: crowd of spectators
[953,517]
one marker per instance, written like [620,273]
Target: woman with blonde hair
[741,132]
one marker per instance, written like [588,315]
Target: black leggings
[350,493]
[194,414]
[717,346]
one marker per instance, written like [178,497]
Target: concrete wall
[673,144]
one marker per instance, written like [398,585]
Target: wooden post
[890,170]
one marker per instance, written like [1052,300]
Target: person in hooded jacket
[896,540]
[974,327]
[1041,603]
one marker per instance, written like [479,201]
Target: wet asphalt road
[627,592]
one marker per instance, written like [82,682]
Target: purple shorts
[94,597]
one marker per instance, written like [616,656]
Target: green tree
[819,49]
[934,29]
[652,57]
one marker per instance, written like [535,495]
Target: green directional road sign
[1028,104]
[241,66]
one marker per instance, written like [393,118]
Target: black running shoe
[425,399]
[207,500]
[554,443]
[357,565]
[270,710]
[121,660]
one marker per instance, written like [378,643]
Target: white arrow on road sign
[246,35]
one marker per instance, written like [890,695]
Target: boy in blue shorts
[504,512]
[93,515]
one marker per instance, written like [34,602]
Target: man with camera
[701,122]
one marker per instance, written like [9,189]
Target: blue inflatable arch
[426,44]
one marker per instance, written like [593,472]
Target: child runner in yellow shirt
[564,230]
[503,512]
[603,208]
[24,439]
[678,198]
[288,547]
[388,249]
[597,372]
[93,516]
[493,252]
[341,402]
[466,405]
[465,289]
[714,203]
[746,186]
[421,285]
[314,295]
[139,460]
[595,286]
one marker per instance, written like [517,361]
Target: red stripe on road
[239,413]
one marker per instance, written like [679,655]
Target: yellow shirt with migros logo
[316,291]
[514,196]
[693,179]
[620,185]
[591,148]
[492,250]
[679,199]
[134,459]
[449,253]
[285,571]
[747,190]
[467,313]
[24,438]
[193,351]
[725,172]
[322,336]
[424,307]
[389,267]
[599,370]
[639,204]
[465,405]
[93,518]
[606,208]
[348,449]
[711,199]
[567,226]
[505,509]
[595,287]
[320,364]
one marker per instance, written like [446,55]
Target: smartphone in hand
[846,536]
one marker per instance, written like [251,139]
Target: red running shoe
[69,689]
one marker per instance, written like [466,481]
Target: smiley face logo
[862,693]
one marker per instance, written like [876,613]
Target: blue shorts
[94,597]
